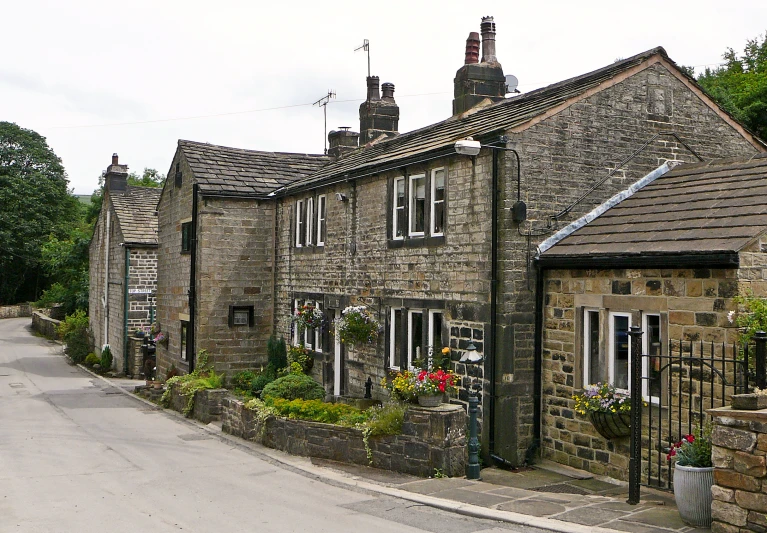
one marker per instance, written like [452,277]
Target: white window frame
[611,348]
[646,360]
[430,332]
[396,209]
[299,222]
[587,345]
[394,324]
[310,341]
[321,219]
[309,221]
[434,202]
[411,205]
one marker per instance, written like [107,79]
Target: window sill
[309,249]
[416,242]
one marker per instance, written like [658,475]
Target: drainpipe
[105,301]
[192,281]
[538,362]
[493,305]
[125,310]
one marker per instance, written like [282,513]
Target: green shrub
[317,410]
[294,386]
[277,354]
[386,419]
[92,359]
[203,377]
[106,359]
[261,381]
[74,332]
[243,379]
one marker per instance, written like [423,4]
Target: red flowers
[687,439]
[436,381]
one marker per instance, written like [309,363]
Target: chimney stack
[472,49]
[116,177]
[378,116]
[342,141]
[476,82]
[488,40]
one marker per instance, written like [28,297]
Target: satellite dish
[511,84]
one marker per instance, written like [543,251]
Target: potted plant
[693,476]
[300,356]
[357,325]
[607,408]
[425,386]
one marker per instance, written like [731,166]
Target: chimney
[378,116]
[472,49]
[476,82]
[342,141]
[116,177]
[488,40]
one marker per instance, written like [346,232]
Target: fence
[671,392]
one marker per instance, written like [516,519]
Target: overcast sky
[97,77]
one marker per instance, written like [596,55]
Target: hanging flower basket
[357,325]
[611,425]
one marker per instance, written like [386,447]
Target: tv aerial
[323,103]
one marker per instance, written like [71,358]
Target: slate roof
[492,119]
[714,208]
[224,170]
[136,212]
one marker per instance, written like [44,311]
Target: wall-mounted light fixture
[341,197]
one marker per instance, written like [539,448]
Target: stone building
[439,244]
[668,255]
[215,288]
[123,264]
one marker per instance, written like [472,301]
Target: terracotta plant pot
[611,425]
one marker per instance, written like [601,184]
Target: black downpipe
[493,305]
[538,362]
[192,282]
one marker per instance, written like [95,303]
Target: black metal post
[473,467]
[761,357]
[635,459]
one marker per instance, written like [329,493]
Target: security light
[467,146]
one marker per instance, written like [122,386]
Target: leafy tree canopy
[740,85]
[150,178]
[35,204]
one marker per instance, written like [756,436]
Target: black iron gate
[671,391]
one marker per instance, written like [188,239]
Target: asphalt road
[78,455]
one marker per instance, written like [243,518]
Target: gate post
[761,356]
[635,460]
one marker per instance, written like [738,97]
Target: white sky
[97,77]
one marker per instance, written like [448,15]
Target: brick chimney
[378,116]
[116,177]
[341,142]
[474,82]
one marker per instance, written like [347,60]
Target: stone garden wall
[45,325]
[740,473]
[15,311]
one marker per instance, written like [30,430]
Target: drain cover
[194,436]
[562,488]
[16,385]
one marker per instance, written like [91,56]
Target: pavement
[547,496]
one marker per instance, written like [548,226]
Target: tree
[740,85]
[65,261]
[35,204]
[150,178]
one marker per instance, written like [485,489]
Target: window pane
[416,336]
[321,220]
[654,351]
[435,340]
[309,220]
[397,358]
[300,223]
[592,318]
[241,317]
[184,334]
[417,203]
[439,217]
[399,207]
[621,351]
[439,185]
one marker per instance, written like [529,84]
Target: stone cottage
[439,245]
[669,255]
[123,264]
[215,288]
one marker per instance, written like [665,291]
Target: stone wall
[431,439]
[740,471]
[692,305]
[142,286]
[15,311]
[45,325]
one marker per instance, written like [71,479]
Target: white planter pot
[692,492]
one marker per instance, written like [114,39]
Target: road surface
[78,455]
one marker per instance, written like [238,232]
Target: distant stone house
[215,288]
[440,245]
[668,256]
[123,264]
